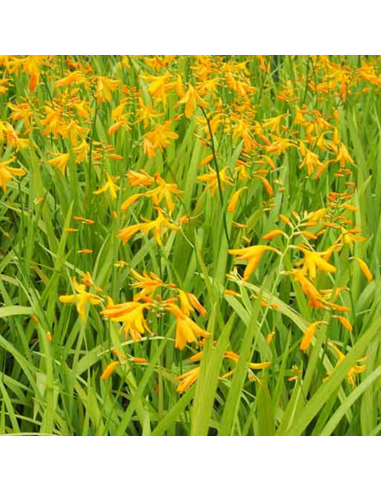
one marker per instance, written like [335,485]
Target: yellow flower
[206,160]
[189,303]
[212,179]
[159,85]
[280,145]
[76,77]
[86,251]
[311,160]
[274,123]
[31,65]
[158,139]
[186,330]
[253,366]
[309,235]
[121,120]
[81,151]
[110,186]
[82,108]
[191,101]
[3,86]
[343,156]
[285,219]
[139,178]
[253,255]
[21,112]
[6,172]
[146,113]
[159,226]
[270,337]
[299,117]
[60,162]
[73,131]
[164,192]
[81,299]
[148,284]
[231,293]
[120,264]
[105,88]
[349,237]
[52,122]
[313,261]
[131,314]
[352,373]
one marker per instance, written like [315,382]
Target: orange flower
[234,200]
[109,370]
[127,233]
[309,235]
[314,296]
[187,380]
[231,293]
[285,219]
[130,201]
[364,268]
[336,307]
[270,337]
[309,335]
[347,325]
[273,234]
[266,185]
